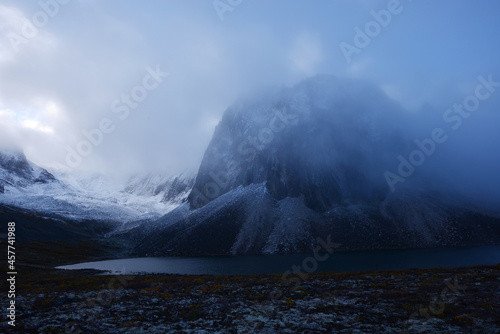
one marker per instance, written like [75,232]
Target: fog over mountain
[334,123]
[292,165]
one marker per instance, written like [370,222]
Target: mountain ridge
[28,187]
[309,161]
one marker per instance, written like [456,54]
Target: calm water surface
[276,264]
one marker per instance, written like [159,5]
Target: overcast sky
[73,73]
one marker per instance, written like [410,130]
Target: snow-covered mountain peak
[17,171]
[88,197]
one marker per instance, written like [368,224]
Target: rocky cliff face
[309,161]
[17,171]
[325,139]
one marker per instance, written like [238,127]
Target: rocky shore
[462,300]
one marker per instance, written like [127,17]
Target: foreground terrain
[463,300]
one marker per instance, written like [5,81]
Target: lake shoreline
[451,257]
[439,300]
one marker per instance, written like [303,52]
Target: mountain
[16,171]
[30,188]
[172,190]
[297,164]
[319,140]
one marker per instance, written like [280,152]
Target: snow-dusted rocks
[29,187]
[16,171]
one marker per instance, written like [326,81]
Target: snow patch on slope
[30,187]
